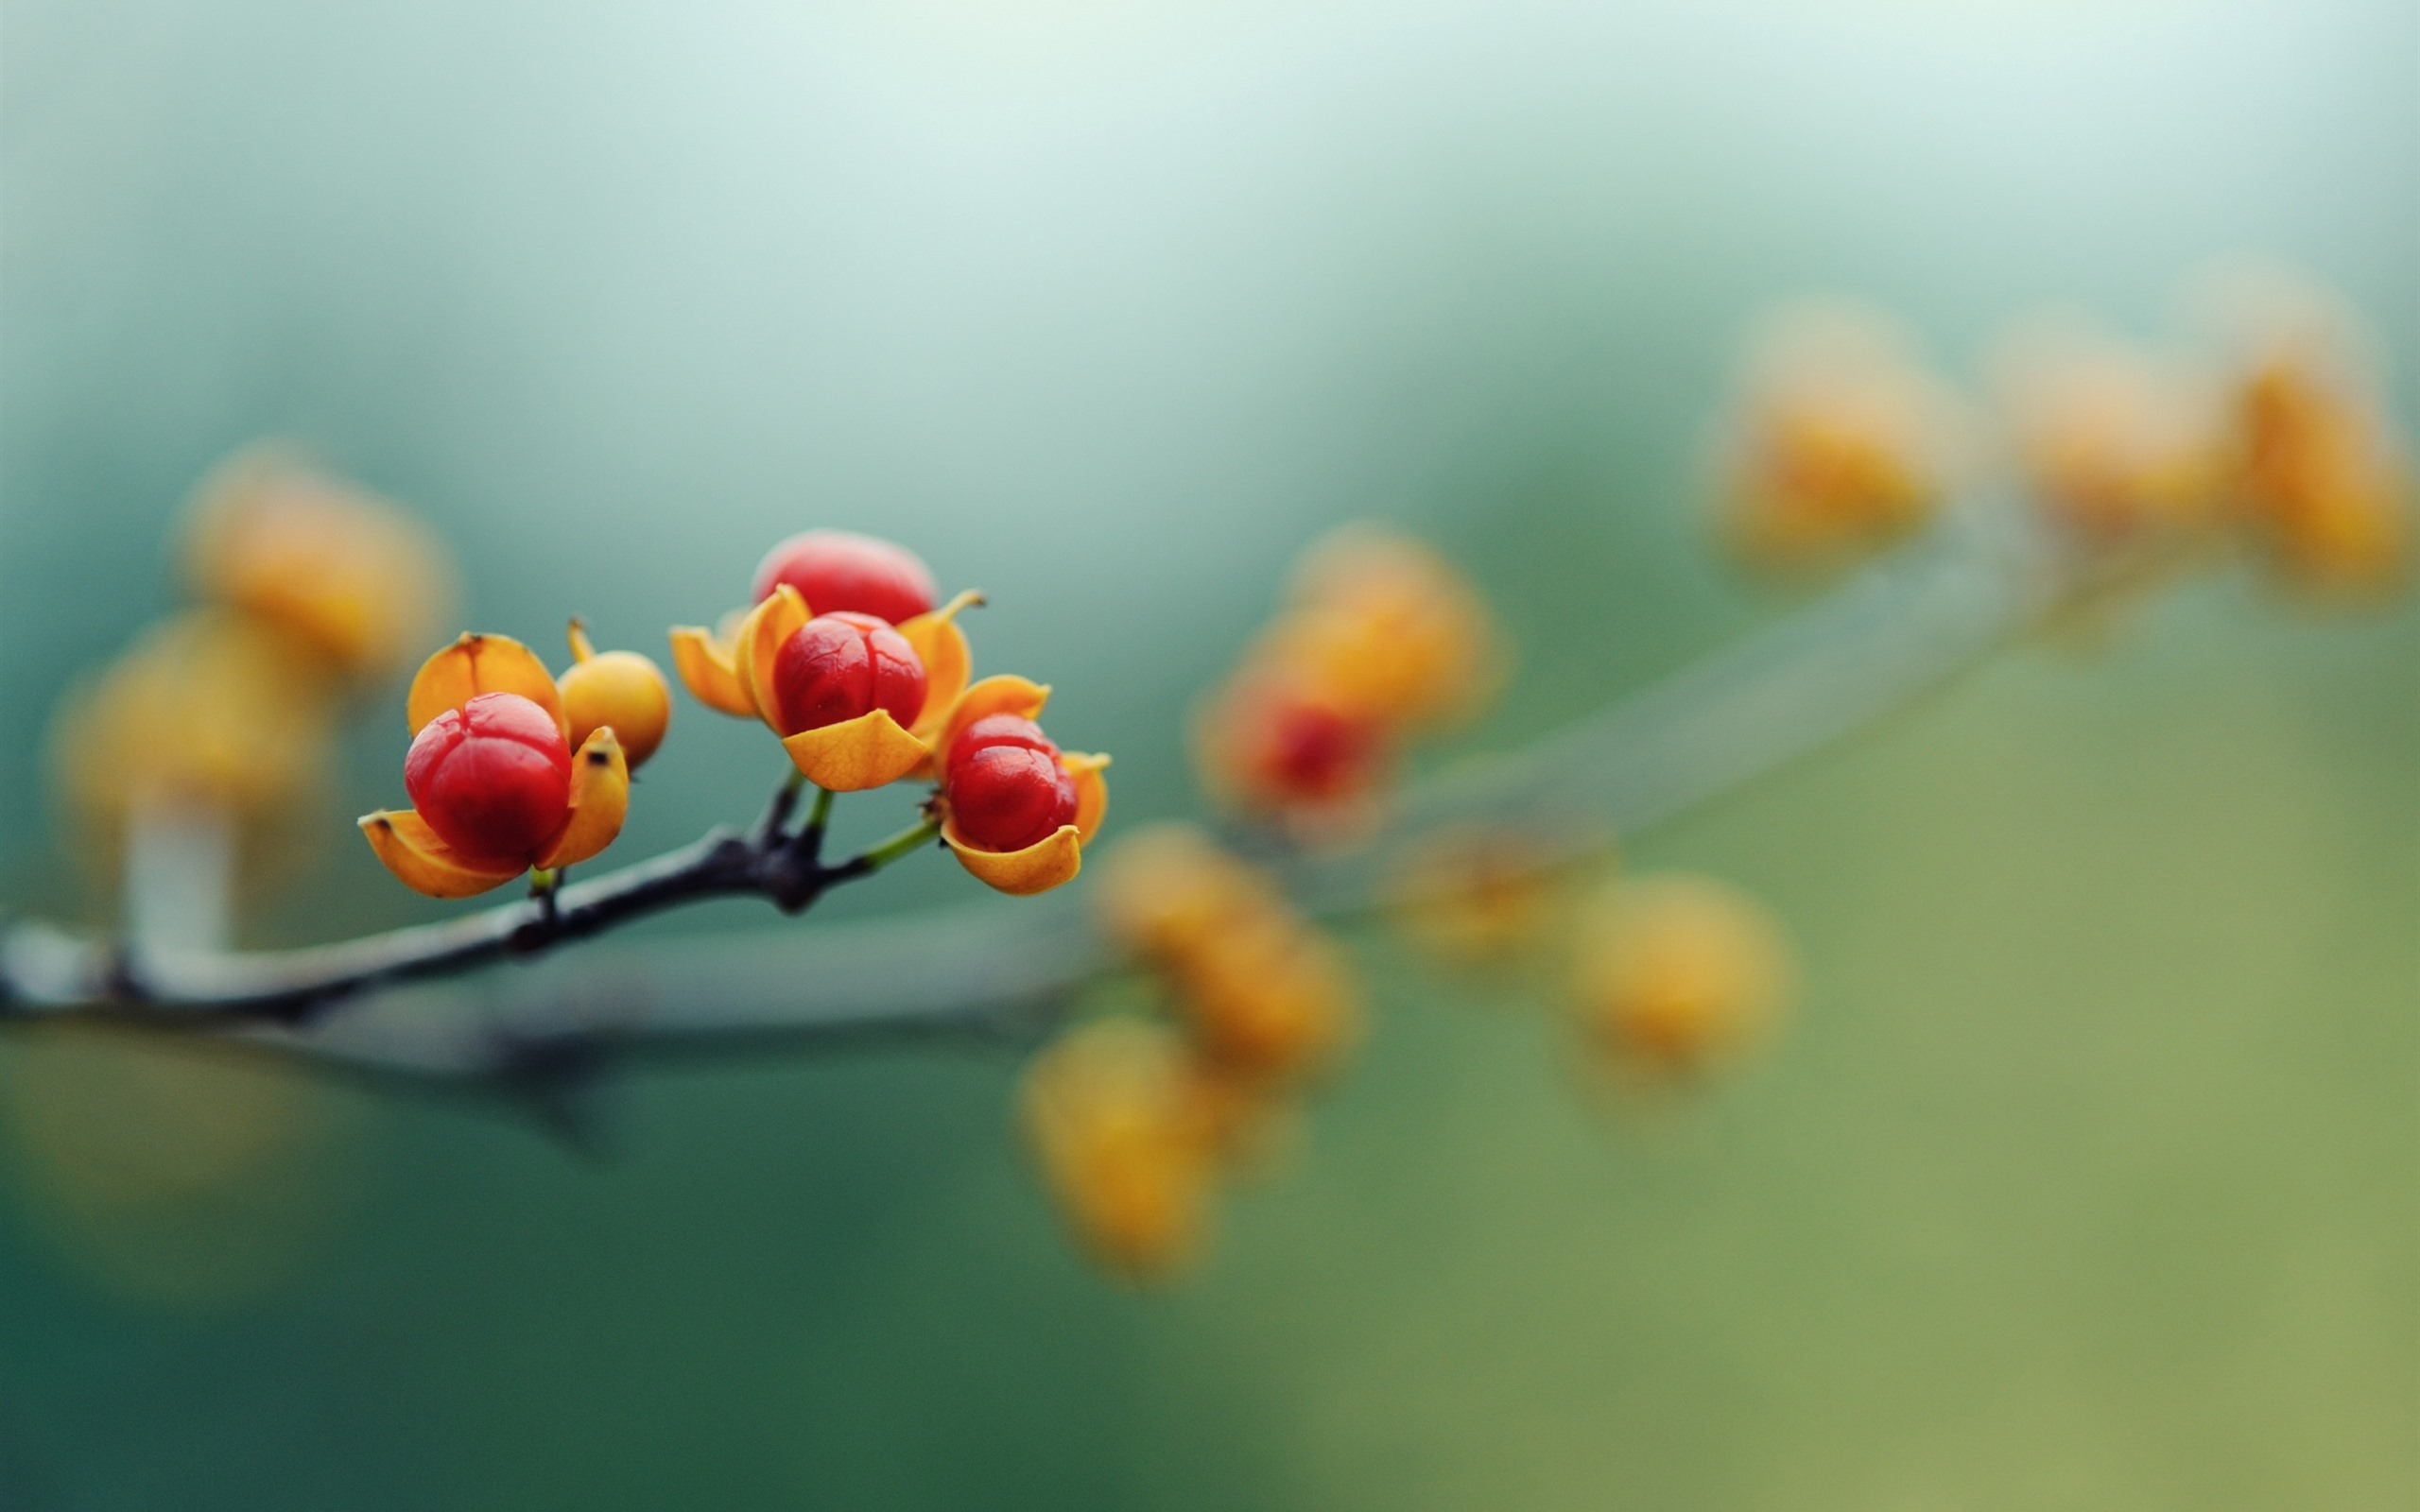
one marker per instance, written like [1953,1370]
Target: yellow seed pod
[347,572]
[1841,443]
[2324,486]
[1166,888]
[1385,627]
[2119,446]
[210,711]
[1677,976]
[1268,998]
[619,689]
[1110,1114]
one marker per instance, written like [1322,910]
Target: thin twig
[777,811]
[46,972]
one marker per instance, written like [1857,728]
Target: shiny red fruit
[842,572]
[1006,787]
[840,666]
[492,777]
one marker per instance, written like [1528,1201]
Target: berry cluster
[502,778]
[513,771]
[846,658]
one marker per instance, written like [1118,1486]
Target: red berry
[840,666]
[492,777]
[842,572]
[997,730]
[1006,787]
[1314,751]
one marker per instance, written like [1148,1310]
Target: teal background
[2089,1176]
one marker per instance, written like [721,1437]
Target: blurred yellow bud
[1678,975]
[208,712]
[2325,487]
[2321,482]
[2117,445]
[1111,1116]
[1166,888]
[1476,893]
[349,573]
[1840,443]
[620,689]
[1270,998]
[1385,628]
[1267,997]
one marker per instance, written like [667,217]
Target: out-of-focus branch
[1871,646]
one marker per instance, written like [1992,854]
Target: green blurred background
[2089,1177]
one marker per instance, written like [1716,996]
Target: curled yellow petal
[1038,868]
[704,662]
[409,849]
[770,623]
[600,797]
[1092,793]
[868,751]
[948,660]
[481,663]
[1000,694]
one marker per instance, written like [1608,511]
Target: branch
[44,972]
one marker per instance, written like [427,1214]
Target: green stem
[912,838]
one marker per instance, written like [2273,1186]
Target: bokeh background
[2089,1176]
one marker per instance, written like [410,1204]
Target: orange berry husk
[476,663]
[1051,861]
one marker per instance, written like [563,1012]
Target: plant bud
[619,689]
